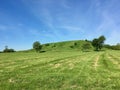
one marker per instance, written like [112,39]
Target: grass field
[70,70]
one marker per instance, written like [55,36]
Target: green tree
[8,50]
[95,44]
[101,40]
[37,46]
[98,42]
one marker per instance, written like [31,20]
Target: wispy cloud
[54,16]
[57,20]
[3,27]
[65,4]
[109,21]
[34,32]
[72,28]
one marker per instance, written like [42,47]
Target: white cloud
[70,19]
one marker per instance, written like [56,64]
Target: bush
[71,46]
[53,45]
[113,47]
[75,44]
[87,46]
[8,50]
[47,44]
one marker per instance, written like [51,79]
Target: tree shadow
[42,51]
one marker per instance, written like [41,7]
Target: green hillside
[63,46]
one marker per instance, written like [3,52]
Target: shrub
[47,44]
[87,46]
[75,44]
[8,50]
[71,46]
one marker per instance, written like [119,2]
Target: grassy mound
[64,46]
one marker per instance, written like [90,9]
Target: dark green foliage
[116,47]
[47,44]
[107,46]
[8,50]
[98,42]
[71,46]
[87,46]
[86,40]
[95,44]
[101,40]
[113,47]
[75,44]
[37,46]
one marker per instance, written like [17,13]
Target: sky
[23,22]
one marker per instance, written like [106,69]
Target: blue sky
[24,21]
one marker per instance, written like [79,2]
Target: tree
[86,46]
[95,44]
[8,50]
[101,40]
[37,46]
[98,42]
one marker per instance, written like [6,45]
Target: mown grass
[73,70]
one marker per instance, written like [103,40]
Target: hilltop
[64,46]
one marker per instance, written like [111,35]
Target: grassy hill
[63,46]
[75,45]
[71,45]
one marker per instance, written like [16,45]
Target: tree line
[8,49]
[113,47]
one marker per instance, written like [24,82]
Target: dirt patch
[73,86]
[11,80]
[96,62]
[57,65]
[24,66]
